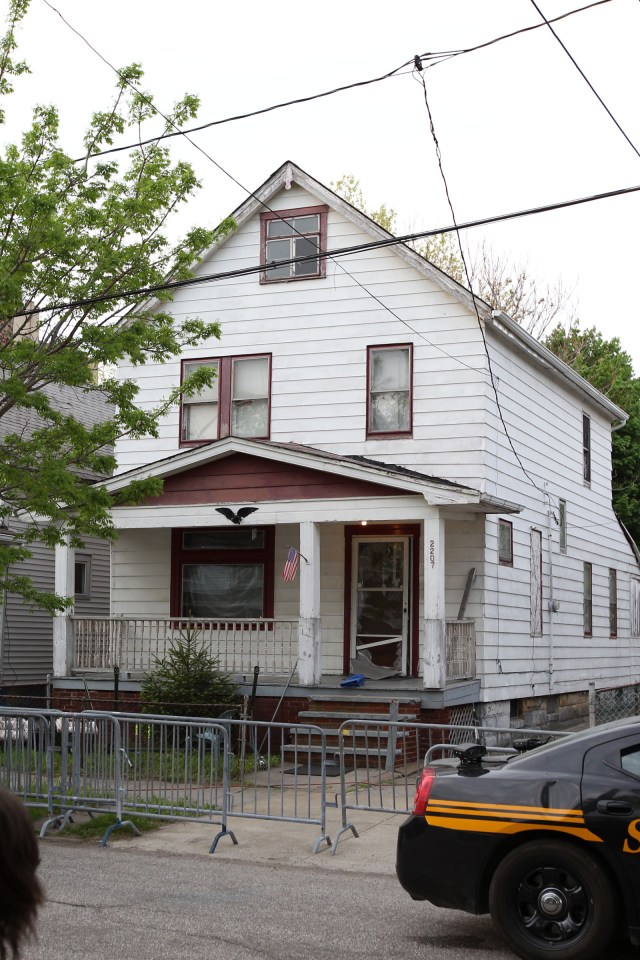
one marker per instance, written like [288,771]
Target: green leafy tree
[73,236]
[505,285]
[606,365]
[187,682]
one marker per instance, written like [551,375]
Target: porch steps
[363,746]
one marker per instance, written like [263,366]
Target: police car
[548,843]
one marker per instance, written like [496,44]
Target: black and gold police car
[548,843]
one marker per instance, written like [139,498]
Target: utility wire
[436,57]
[143,292]
[251,194]
[586,80]
[449,55]
[420,77]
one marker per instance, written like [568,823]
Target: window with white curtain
[390,386]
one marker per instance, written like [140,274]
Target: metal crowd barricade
[379,760]
[26,756]
[166,768]
[278,772]
[185,769]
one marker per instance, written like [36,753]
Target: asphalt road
[127,904]
[118,903]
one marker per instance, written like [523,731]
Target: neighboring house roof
[503,325]
[88,407]
[434,489]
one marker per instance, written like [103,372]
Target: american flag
[291,565]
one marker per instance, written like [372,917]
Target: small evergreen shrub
[187,682]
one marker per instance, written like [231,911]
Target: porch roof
[390,478]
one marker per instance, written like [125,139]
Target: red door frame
[375,531]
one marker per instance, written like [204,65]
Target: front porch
[98,645]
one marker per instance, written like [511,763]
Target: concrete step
[334,732]
[353,715]
[354,697]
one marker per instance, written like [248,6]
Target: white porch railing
[133,644]
[461,650]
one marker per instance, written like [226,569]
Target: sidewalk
[272,841]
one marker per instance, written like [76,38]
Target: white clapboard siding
[318,332]
[544,419]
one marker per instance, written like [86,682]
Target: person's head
[20,890]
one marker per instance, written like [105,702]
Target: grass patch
[95,828]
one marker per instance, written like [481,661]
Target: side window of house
[536,583]
[223,573]
[82,578]
[587,599]
[562,523]
[634,603]
[613,603]
[389,395]
[505,543]
[586,448]
[293,235]
[237,404]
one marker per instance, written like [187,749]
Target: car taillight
[423,789]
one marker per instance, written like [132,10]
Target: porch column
[309,627]
[62,627]
[434,656]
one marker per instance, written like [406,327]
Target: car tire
[550,899]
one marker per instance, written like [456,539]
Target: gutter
[549,359]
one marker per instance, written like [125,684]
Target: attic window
[286,235]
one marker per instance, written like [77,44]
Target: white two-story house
[443,479]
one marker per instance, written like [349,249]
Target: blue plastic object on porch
[355,680]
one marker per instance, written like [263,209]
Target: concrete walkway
[273,841]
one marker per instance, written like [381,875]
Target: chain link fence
[616,703]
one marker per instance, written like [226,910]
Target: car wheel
[552,900]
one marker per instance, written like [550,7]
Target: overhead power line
[142,292]
[436,57]
[467,273]
[586,80]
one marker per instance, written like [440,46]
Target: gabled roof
[504,326]
[435,490]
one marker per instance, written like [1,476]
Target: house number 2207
[432,553]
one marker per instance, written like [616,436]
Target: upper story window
[586,448]
[505,543]
[389,396]
[286,235]
[236,404]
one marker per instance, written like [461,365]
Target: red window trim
[225,384]
[322,210]
[179,556]
[383,435]
[501,560]
[374,531]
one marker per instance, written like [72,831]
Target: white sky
[518,127]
